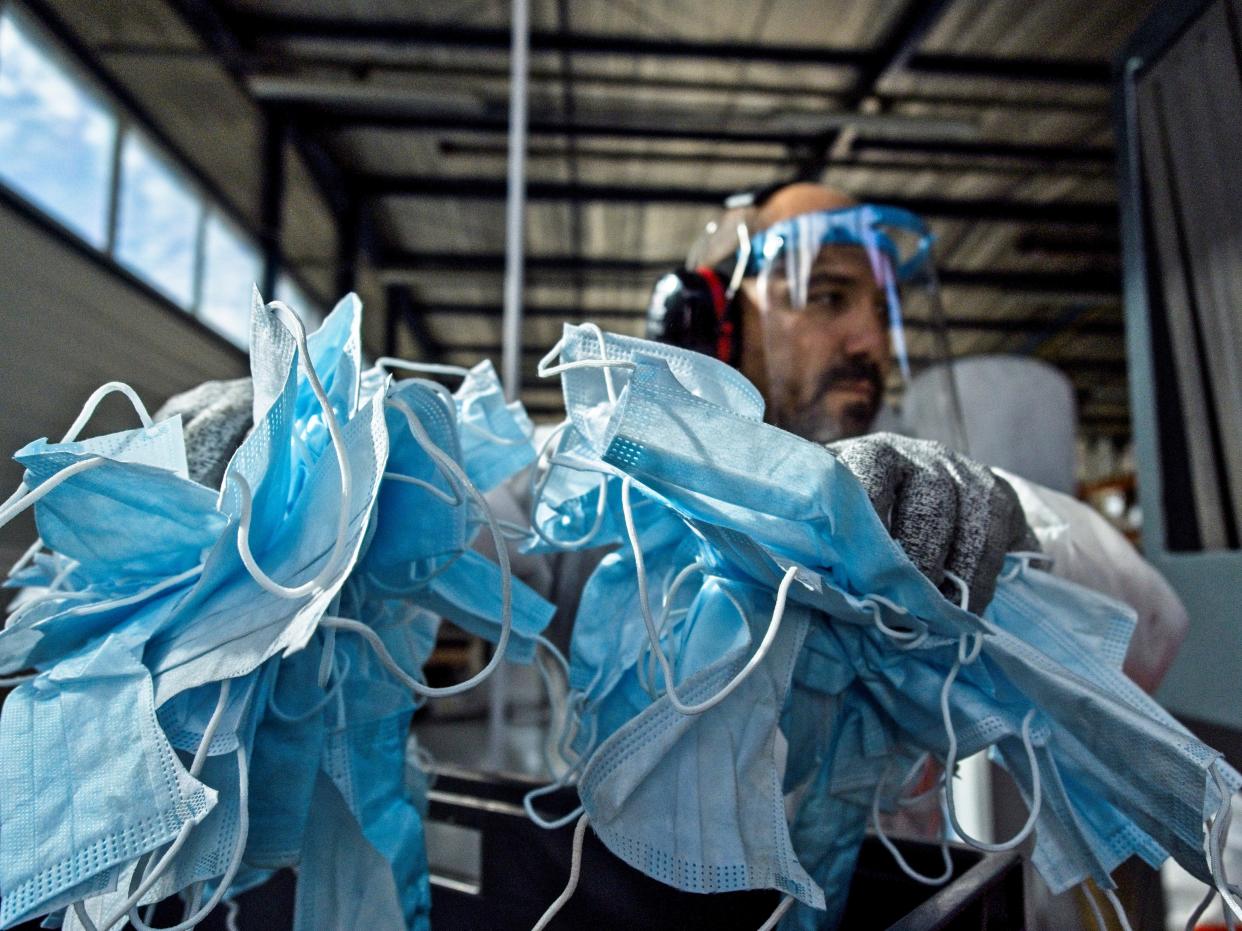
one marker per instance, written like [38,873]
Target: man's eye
[834,299]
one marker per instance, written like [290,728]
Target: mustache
[853,370]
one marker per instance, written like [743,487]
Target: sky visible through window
[232,266]
[56,139]
[157,229]
[58,150]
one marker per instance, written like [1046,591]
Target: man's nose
[865,334]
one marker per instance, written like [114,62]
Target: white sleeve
[1087,549]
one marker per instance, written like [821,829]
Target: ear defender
[688,308]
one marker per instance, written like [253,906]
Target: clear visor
[837,295]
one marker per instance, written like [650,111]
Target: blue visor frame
[866,225]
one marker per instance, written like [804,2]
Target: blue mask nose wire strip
[965,658]
[769,637]
[435,368]
[142,880]
[538,483]
[294,324]
[575,870]
[891,847]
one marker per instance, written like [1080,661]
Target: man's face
[821,368]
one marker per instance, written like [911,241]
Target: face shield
[826,299]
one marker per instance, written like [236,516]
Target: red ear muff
[724,322]
[690,308]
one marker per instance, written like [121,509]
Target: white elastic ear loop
[452,500]
[462,481]
[778,612]
[24,499]
[646,674]
[436,368]
[84,416]
[545,370]
[539,483]
[146,882]
[575,869]
[1121,912]
[892,848]
[243,832]
[1022,562]
[1193,921]
[558,705]
[329,694]
[432,368]
[779,913]
[905,639]
[506,580]
[528,800]
[1218,837]
[965,658]
[333,565]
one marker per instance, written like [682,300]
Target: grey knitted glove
[946,511]
[216,416]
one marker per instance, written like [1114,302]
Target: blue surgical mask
[660,796]
[495,434]
[134,554]
[422,519]
[238,615]
[100,787]
[1135,756]
[343,881]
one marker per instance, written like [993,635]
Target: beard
[814,421]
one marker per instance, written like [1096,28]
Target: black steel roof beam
[265,25]
[1049,156]
[632,314]
[1080,162]
[897,47]
[397,262]
[403,310]
[1074,212]
[214,30]
[361,63]
[1033,156]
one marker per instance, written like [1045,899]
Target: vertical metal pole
[515,208]
[511,329]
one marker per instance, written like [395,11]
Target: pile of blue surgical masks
[758,670]
[210,684]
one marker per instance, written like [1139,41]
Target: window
[231,268]
[70,149]
[56,139]
[158,222]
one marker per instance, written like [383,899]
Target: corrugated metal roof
[987,109]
